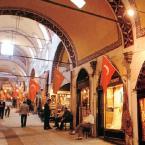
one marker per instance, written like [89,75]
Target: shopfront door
[83,95]
[78,106]
[140,87]
[141,119]
[100,118]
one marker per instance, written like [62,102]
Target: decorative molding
[128,57]
[48,23]
[128,60]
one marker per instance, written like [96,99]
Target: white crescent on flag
[107,69]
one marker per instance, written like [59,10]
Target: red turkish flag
[33,89]
[107,71]
[57,80]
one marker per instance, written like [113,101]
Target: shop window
[63,99]
[113,107]
[142,113]
[85,97]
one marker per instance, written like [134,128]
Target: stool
[87,131]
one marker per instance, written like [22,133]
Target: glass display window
[85,98]
[63,99]
[113,107]
[142,114]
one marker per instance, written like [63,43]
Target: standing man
[47,112]
[2,108]
[24,111]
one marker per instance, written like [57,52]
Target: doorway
[83,95]
[140,87]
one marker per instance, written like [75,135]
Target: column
[73,96]
[93,81]
[128,60]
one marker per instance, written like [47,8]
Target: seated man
[66,117]
[57,117]
[88,121]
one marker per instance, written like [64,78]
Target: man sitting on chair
[87,122]
[66,117]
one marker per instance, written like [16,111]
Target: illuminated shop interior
[113,107]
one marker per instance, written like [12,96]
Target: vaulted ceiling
[85,34]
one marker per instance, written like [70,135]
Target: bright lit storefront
[110,109]
[83,95]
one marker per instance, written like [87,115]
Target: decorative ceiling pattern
[124,22]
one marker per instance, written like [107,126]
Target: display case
[113,107]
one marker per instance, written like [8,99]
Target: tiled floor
[12,134]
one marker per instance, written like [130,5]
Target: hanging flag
[57,80]
[107,71]
[127,125]
[33,89]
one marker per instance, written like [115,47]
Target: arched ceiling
[140,5]
[86,34]
[25,35]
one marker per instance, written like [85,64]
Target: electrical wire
[23,76]
[41,59]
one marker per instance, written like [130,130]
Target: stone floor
[12,134]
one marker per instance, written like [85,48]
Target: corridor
[12,134]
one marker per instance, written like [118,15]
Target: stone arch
[124,22]
[140,88]
[82,104]
[66,40]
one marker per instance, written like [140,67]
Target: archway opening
[140,87]
[110,109]
[83,95]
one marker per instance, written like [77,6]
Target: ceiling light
[130,12]
[78,3]
[7,48]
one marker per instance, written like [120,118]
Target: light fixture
[7,48]
[131,12]
[79,3]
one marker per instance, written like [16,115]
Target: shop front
[140,87]
[83,95]
[110,107]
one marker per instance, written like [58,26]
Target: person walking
[2,109]
[24,111]
[47,112]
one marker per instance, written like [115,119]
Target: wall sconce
[93,65]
